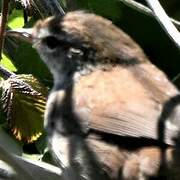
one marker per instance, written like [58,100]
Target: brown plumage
[111,113]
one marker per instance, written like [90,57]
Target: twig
[143,9]
[9,159]
[165,22]
[5,7]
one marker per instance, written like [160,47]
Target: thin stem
[143,9]
[5,8]
[165,22]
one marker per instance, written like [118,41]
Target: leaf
[109,8]
[6,62]
[24,99]
[16,19]
[26,60]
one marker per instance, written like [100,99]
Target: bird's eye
[51,42]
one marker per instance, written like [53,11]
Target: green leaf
[16,19]
[24,101]
[26,59]
[21,54]
[6,62]
[106,8]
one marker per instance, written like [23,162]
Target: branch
[164,21]
[5,7]
[9,159]
[143,9]
[6,172]
[38,170]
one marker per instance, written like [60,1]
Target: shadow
[167,112]
[83,163]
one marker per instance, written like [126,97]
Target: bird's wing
[121,103]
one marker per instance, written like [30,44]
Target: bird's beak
[22,33]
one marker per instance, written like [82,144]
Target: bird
[111,114]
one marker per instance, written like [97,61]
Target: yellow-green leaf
[24,101]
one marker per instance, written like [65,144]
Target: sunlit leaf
[24,99]
[6,62]
[16,19]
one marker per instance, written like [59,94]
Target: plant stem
[164,21]
[3,20]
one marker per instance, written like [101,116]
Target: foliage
[24,106]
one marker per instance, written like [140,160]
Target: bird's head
[80,41]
